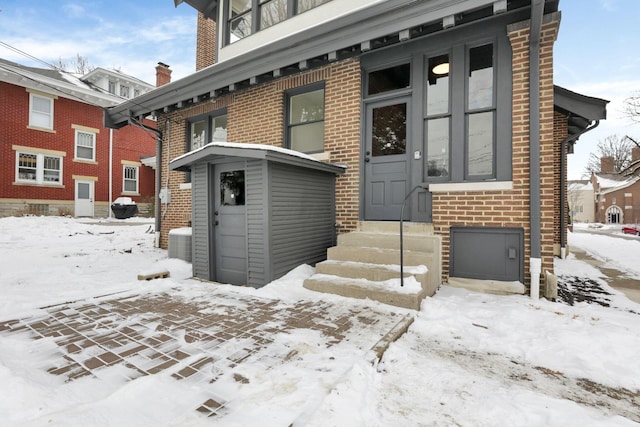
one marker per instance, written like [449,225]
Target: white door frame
[84,206]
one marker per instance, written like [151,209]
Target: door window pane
[232,188]
[389,133]
[393,78]
[480,143]
[83,191]
[438,85]
[437,158]
[481,77]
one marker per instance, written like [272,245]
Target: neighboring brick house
[56,149]
[617,196]
[436,97]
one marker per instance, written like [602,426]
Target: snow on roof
[251,146]
[611,182]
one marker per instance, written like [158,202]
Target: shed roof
[581,109]
[218,150]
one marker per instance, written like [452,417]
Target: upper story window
[206,129]
[85,145]
[38,168]
[305,119]
[124,91]
[40,111]
[245,17]
[112,87]
[136,92]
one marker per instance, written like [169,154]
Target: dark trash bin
[124,207]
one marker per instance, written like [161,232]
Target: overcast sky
[597,52]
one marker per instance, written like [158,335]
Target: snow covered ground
[468,359]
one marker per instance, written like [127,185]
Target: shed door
[385,168]
[230,224]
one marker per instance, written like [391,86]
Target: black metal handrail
[404,203]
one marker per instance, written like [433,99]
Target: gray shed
[258,211]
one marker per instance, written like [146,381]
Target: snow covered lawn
[468,359]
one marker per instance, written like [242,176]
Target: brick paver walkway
[191,338]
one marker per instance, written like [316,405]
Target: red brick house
[442,114]
[617,196]
[58,157]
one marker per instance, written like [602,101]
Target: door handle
[215,222]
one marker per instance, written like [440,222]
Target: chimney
[205,42]
[163,74]
[606,165]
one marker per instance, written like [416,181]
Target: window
[206,129]
[130,179]
[304,5]
[460,88]
[112,87]
[85,145]
[389,79]
[245,17]
[124,91]
[136,92]
[38,168]
[40,111]
[305,119]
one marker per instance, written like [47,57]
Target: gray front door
[230,224]
[386,172]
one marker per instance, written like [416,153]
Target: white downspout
[110,171]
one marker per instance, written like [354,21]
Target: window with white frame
[37,168]
[40,111]
[130,179]
[85,145]
[112,87]
[124,91]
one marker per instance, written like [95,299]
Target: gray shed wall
[302,216]
[200,206]
[257,201]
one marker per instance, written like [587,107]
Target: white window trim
[124,179]
[93,151]
[39,169]
[32,96]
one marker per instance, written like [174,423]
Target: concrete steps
[365,264]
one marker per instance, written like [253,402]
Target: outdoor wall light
[441,69]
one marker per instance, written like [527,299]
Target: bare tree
[632,107]
[614,146]
[80,65]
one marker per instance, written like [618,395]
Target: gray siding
[302,217]
[257,203]
[201,255]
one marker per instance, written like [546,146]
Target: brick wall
[510,208]
[205,42]
[256,115]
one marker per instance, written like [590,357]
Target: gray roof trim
[209,154]
[584,106]
[207,7]
[379,20]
